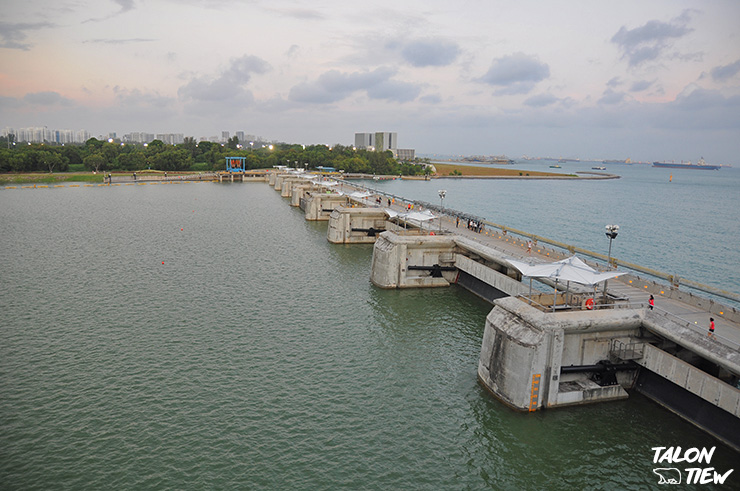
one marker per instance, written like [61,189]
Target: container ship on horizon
[687,165]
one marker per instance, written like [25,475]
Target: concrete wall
[524,348]
[319,205]
[490,276]
[692,379]
[393,253]
[344,219]
[289,183]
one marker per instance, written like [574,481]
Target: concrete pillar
[355,225]
[524,348]
[393,253]
[319,205]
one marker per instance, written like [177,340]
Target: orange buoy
[590,304]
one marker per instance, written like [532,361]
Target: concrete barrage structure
[545,350]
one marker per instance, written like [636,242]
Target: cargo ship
[687,165]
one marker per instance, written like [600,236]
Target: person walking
[651,302]
[529,250]
[711,326]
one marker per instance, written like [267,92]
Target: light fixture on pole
[611,231]
[442,194]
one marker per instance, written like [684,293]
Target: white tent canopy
[419,216]
[569,269]
[360,195]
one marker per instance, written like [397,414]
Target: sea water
[206,336]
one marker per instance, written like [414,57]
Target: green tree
[50,160]
[233,143]
[93,144]
[171,159]
[94,162]
[155,146]
[73,154]
[190,145]
[131,161]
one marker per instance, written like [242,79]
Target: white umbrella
[569,269]
[418,216]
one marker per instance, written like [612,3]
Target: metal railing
[674,280]
[694,326]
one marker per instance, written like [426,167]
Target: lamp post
[442,194]
[611,231]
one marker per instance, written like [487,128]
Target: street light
[442,194]
[611,231]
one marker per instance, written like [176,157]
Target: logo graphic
[693,457]
[668,475]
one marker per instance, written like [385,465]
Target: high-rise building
[386,141]
[380,141]
[364,140]
[224,136]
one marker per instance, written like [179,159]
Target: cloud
[126,6]
[228,85]
[541,100]
[641,85]
[725,72]
[614,82]
[334,86]
[135,97]
[301,14]
[611,97]
[10,102]
[119,41]
[431,99]
[394,90]
[699,110]
[429,52]
[516,74]
[650,41]
[47,99]
[12,35]
[292,51]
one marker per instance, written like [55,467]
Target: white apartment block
[380,141]
[42,134]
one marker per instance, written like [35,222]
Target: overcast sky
[646,79]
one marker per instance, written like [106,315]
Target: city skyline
[647,81]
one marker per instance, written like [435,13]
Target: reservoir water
[206,336]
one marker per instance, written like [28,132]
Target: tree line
[106,156]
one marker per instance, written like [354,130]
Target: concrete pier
[524,348]
[318,205]
[349,225]
[408,261]
[298,192]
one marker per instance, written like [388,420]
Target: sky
[646,80]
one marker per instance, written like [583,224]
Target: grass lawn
[444,170]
